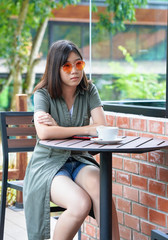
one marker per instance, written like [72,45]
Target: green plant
[4,97]
[135,85]
[11,193]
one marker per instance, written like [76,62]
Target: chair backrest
[17,131]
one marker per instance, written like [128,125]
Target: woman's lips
[74,78]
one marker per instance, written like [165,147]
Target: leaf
[135,85]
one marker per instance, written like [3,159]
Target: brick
[166,158]
[90,230]
[163,137]
[97,158]
[125,232]
[147,199]
[123,154]
[82,227]
[87,219]
[131,133]
[166,129]
[98,234]
[139,236]
[123,177]
[84,237]
[157,217]
[162,174]
[156,157]
[124,205]
[139,124]
[140,211]
[113,175]
[163,204]
[147,170]
[110,120]
[157,188]
[93,221]
[114,199]
[167,190]
[131,221]
[130,193]
[131,166]
[141,156]
[117,189]
[121,132]
[148,134]
[156,127]
[139,182]
[120,216]
[123,122]
[147,227]
[117,162]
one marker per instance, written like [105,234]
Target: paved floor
[15,227]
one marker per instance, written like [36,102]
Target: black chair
[18,135]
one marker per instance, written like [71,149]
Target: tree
[118,11]
[21,51]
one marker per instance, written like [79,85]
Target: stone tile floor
[15,226]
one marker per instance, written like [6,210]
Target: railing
[152,108]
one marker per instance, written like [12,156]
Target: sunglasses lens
[67,67]
[80,65]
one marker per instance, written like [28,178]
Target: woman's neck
[69,97]
[68,92]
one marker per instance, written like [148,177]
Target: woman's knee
[81,206]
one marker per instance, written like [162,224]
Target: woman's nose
[74,69]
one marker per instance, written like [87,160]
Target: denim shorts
[71,168]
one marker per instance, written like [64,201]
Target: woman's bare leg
[67,194]
[89,179]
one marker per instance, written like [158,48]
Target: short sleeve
[41,101]
[94,100]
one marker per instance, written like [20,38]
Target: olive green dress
[45,162]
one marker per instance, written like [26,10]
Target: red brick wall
[140,181]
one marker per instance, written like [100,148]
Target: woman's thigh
[66,193]
[89,179]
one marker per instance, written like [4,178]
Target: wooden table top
[128,144]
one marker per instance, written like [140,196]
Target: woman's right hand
[92,129]
[46,119]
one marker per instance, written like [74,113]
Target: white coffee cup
[107,133]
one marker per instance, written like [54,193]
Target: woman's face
[73,77]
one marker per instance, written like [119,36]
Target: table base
[106,195]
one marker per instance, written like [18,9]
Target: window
[130,67]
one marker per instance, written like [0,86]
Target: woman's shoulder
[91,86]
[42,94]
[92,89]
[41,91]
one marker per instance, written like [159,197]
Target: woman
[64,101]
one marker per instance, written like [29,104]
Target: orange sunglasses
[67,67]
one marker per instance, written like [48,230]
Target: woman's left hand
[46,119]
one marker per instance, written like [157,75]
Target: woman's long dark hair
[57,57]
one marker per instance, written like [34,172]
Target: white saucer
[100,141]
